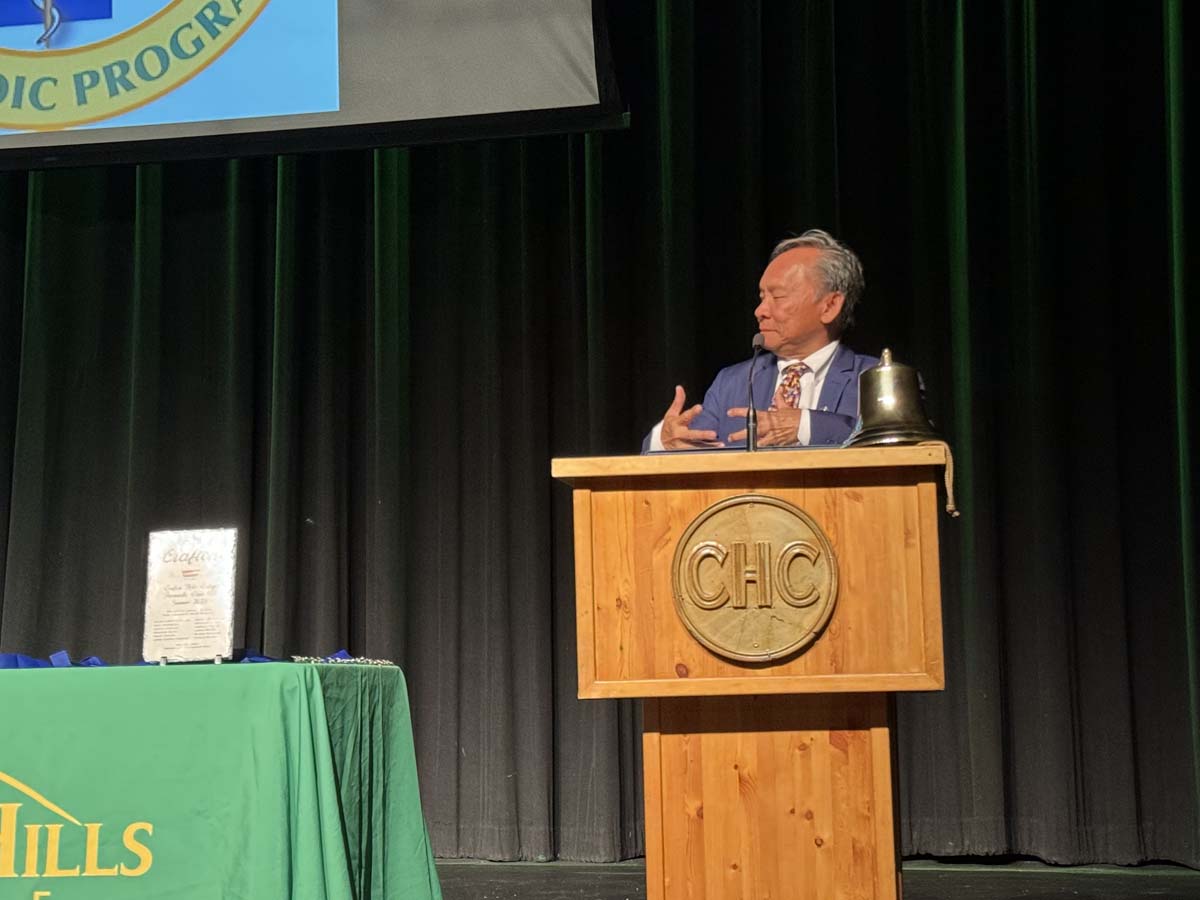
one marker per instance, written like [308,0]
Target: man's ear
[831,306]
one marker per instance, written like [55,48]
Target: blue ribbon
[21,661]
[61,659]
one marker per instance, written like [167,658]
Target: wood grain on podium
[747,797]
[885,634]
[768,780]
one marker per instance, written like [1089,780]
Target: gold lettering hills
[68,849]
[47,90]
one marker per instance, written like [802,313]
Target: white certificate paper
[190,583]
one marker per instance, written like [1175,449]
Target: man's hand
[776,427]
[676,435]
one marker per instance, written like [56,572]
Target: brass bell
[890,407]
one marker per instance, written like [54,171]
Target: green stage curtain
[365,361]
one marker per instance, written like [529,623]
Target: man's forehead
[788,266]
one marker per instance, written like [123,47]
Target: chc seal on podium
[754,578]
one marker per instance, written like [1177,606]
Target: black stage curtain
[365,361]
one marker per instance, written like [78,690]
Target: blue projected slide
[109,63]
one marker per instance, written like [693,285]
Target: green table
[222,782]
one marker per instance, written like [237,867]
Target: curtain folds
[366,360]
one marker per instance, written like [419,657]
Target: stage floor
[474,880]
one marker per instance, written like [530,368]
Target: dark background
[366,360]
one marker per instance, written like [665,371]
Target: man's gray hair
[839,268]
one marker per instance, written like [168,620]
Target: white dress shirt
[811,383]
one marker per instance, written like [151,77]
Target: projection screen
[87,79]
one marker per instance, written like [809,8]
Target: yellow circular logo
[754,578]
[50,89]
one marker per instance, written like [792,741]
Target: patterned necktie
[787,395]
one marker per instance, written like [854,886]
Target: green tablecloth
[262,782]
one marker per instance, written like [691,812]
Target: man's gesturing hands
[776,427]
[676,432]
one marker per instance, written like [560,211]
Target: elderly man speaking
[806,386]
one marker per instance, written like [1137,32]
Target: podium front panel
[884,633]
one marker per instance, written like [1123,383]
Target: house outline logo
[38,798]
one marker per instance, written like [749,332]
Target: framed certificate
[190,586]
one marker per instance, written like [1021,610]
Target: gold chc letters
[767,575]
[755,578]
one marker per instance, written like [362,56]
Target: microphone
[751,412]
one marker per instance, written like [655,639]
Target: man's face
[794,311]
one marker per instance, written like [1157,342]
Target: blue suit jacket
[832,420]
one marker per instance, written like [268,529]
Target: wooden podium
[769,778]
